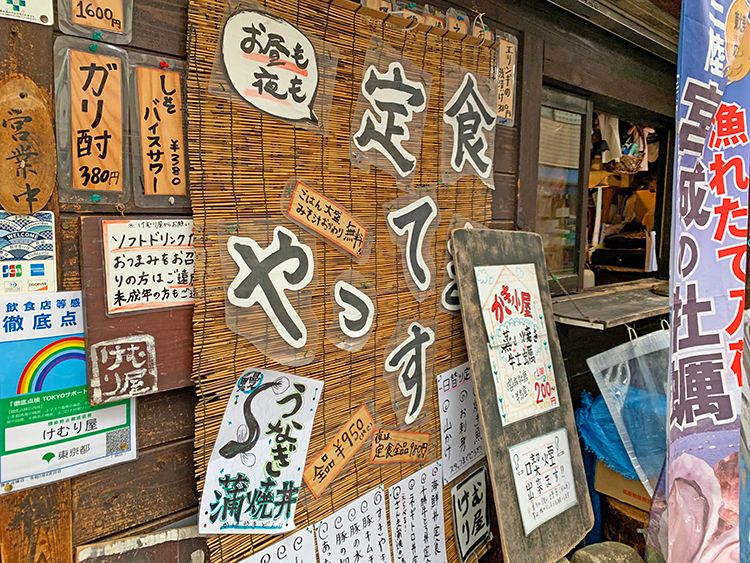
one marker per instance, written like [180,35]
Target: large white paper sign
[295,548]
[417,519]
[148,263]
[271,64]
[459,421]
[470,513]
[254,474]
[544,478]
[357,532]
[518,343]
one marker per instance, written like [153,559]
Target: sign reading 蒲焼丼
[709,248]
[49,429]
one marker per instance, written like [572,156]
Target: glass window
[558,190]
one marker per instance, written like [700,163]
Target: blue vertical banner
[708,269]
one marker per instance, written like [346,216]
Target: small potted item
[458,22]
[380,5]
[409,11]
[482,31]
[433,17]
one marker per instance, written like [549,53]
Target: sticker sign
[271,64]
[29,160]
[470,513]
[394,100]
[50,431]
[518,343]
[27,252]
[358,531]
[327,219]
[506,81]
[265,276]
[107,15]
[331,460]
[162,133]
[408,361]
[472,120]
[96,117]
[417,519]
[123,367]
[34,11]
[255,471]
[295,548]
[543,476]
[395,446]
[459,421]
[148,263]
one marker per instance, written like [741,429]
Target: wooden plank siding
[48,523]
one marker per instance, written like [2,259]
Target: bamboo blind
[240,162]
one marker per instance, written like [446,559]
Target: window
[563,167]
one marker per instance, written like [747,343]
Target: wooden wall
[48,523]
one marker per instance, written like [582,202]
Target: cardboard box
[614,485]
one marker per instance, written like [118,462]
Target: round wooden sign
[27,141]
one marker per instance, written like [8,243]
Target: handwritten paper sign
[96,117]
[332,459]
[29,159]
[506,81]
[470,513]
[358,531]
[295,548]
[544,478]
[518,343]
[148,263]
[27,252]
[394,446]
[107,15]
[161,128]
[50,431]
[417,519]
[459,421]
[271,64]
[255,471]
[327,219]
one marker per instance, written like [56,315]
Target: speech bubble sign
[271,64]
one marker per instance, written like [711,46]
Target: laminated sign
[49,429]
[107,15]
[518,345]
[417,519]
[96,117]
[543,475]
[161,131]
[255,471]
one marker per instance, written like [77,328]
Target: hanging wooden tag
[29,159]
[161,130]
[96,114]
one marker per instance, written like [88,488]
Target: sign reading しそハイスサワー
[50,431]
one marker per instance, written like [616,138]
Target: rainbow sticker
[33,376]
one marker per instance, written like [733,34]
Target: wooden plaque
[158,341]
[160,115]
[96,121]
[29,161]
[107,15]
[554,538]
